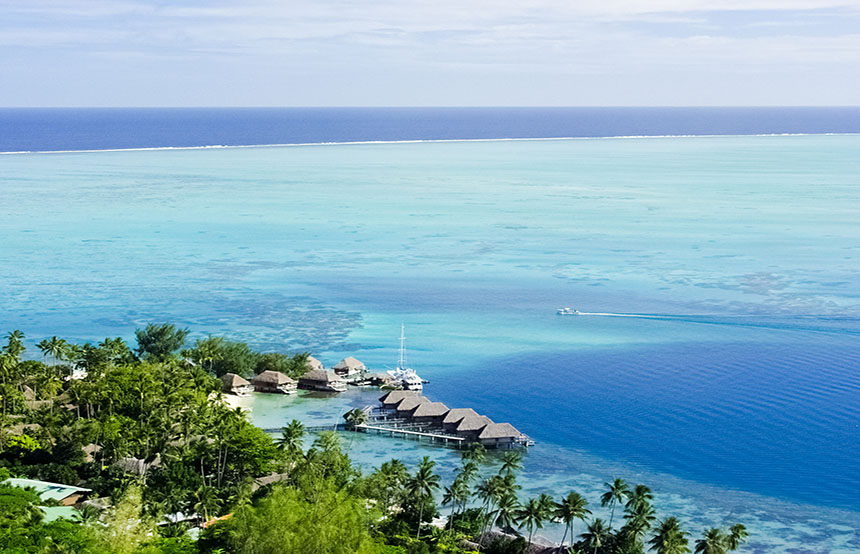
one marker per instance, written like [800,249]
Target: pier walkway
[411,434]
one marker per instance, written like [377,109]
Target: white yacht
[567,311]
[405,376]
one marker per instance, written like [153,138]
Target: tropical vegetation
[148,431]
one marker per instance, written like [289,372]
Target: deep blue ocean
[102,129]
[719,261]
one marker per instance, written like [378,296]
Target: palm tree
[327,441]
[670,539]
[512,461]
[596,534]
[618,491]
[394,477]
[292,437]
[355,417]
[737,535]
[207,500]
[571,508]
[532,515]
[505,515]
[488,490]
[422,486]
[714,542]
[454,495]
[54,347]
[640,495]
[475,453]
[639,521]
[15,345]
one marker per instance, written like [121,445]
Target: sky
[429,53]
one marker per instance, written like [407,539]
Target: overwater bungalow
[454,416]
[391,399]
[471,426]
[322,380]
[274,381]
[408,404]
[374,379]
[499,435]
[235,384]
[313,363]
[430,412]
[349,367]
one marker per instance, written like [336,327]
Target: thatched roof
[313,363]
[456,414]
[396,396]
[411,402]
[138,466]
[321,376]
[28,393]
[473,423]
[90,451]
[349,364]
[499,431]
[231,380]
[22,428]
[270,377]
[430,409]
[271,478]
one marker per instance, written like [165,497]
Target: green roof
[56,512]
[46,490]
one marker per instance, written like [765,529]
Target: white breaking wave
[410,141]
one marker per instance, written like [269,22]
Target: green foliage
[219,356]
[319,520]
[20,444]
[291,366]
[126,527]
[158,342]
[503,546]
[470,522]
[160,407]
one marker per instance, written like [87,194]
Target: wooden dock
[406,433]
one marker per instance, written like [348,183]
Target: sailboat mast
[402,341]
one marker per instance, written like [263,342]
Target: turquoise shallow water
[744,392]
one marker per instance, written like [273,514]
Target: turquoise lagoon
[724,371]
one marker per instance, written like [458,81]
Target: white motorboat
[567,311]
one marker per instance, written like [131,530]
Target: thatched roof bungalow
[406,406]
[471,426]
[496,435]
[320,379]
[312,363]
[235,384]
[429,412]
[391,399]
[274,381]
[348,367]
[454,416]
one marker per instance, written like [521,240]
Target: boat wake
[787,323]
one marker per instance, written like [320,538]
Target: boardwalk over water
[411,423]
[412,434]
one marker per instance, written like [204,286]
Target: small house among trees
[322,380]
[235,384]
[349,367]
[274,381]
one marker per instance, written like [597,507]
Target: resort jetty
[409,414]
